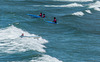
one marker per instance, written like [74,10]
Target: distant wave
[69,5]
[74,0]
[95,6]
[88,11]
[80,13]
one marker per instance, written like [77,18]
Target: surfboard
[51,22]
[35,37]
[35,16]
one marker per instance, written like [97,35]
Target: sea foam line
[95,6]
[46,58]
[75,0]
[80,13]
[69,5]
[88,11]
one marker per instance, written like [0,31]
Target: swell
[89,22]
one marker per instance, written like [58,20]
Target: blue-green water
[76,37]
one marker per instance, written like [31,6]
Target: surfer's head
[54,17]
[40,15]
[22,34]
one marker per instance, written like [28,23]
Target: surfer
[55,21]
[43,15]
[22,35]
[40,15]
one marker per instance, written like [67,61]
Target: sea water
[76,37]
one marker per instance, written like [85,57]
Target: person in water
[22,34]
[43,15]
[55,20]
[40,15]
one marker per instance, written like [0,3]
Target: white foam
[46,58]
[10,42]
[69,5]
[78,13]
[95,5]
[98,9]
[88,11]
[75,0]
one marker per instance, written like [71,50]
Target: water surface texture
[76,37]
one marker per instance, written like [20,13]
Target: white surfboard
[35,37]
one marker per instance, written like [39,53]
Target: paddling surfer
[55,21]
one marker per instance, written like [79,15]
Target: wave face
[74,39]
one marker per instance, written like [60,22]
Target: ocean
[75,37]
